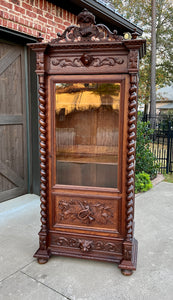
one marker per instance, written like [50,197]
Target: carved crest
[87,31]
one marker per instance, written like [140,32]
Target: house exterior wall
[35,16]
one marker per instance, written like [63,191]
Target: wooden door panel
[10,176]
[5,47]
[5,184]
[11,100]
[13,160]
[87,213]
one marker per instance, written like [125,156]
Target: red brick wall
[34,16]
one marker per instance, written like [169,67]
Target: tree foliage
[142,182]
[145,159]
[140,13]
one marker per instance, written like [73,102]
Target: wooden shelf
[88,154]
[88,159]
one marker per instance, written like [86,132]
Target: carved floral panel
[87,212]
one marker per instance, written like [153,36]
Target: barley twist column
[42,253]
[128,263]
[132,113]
[43,165]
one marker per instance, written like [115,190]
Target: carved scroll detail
[91,61]
[127,251]
[85,212]
[131,156]
[87,31]
[43,167]
[67,62]
[40,61]
[88,245]
[109,61]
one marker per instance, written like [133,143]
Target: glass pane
[87,128]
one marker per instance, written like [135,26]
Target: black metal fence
[162,140]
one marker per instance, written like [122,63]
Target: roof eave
[103,14]
[117,19]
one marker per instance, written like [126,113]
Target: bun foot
[126,272]
[42,256]
[42,261]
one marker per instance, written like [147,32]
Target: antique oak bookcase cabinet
[88,107]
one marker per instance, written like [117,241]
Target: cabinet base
[42,256]
[128,264]
[42,261]
[126,272]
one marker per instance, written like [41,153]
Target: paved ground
[65,278]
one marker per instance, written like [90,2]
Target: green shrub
[142,182]
[145,159]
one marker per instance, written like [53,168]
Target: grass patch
[168,177]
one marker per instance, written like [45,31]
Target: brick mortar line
[33,20]
[66,19]
[45,285]
[50,27]
[17,23]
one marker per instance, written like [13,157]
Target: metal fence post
[168,147]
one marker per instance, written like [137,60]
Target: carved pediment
[87,31]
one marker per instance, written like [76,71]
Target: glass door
[87,133]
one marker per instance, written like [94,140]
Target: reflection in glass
[87,121]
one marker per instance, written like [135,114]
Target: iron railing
[162,140]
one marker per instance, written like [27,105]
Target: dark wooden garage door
[13,140]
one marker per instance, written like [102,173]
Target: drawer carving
[87,245]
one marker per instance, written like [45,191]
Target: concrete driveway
[68,278]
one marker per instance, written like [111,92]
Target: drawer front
[85,246]
[74,64]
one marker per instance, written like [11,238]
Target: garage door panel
[13,150]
